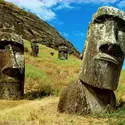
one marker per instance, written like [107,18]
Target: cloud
[58,22]
[45,9]
[121,4]
[64,5]
[78,33]
[97,1]
[64,34]
[40,8]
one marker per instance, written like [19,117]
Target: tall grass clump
[47,71]
[36,82]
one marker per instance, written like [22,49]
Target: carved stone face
[11,68]
[35,49]
[63,53]
[103,56]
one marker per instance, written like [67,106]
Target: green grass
[115,118]
[69,62]
[34,72]
[47,74]
[122,76]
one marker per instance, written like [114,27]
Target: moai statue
[62,52]
[101,66]
[81,56]
[11,66]
[35,49]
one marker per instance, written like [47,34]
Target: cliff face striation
[31,27]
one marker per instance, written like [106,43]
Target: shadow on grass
[114,118]
[39,94]
[35,95]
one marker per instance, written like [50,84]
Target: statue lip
[106,57]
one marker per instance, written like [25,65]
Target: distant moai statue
[101,66]
[81,56]
[11,66]
[34,48]
[62,51]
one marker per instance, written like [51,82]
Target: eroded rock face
[34,49]
[100,70]
[63,52]
[11,66]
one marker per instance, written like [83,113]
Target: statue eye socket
[17,48]
[2,46]
[104,18]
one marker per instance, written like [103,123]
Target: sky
[69,17]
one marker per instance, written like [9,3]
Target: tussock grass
[46,75]
[47,72]
[44,112]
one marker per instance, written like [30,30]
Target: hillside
[31,27]
[48,70]
[46,75]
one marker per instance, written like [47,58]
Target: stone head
[104,49]
[11,65]
[35,48]
[63,52]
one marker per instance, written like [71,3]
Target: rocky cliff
[31,27]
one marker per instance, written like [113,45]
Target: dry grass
[43,112]
[48,70]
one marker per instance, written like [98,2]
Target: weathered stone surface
[80,98]
[31,27]
[62,52]
[101,66]
[110,11]
[34,49]
[11,66]
[103,56]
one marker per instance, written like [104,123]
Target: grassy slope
[46,75]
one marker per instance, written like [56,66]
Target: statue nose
[109,43]
[111,49]
[110,33]
[10,65]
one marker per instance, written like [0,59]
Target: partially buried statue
[34,49]
[100,70]
[11,66]
[62,51]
